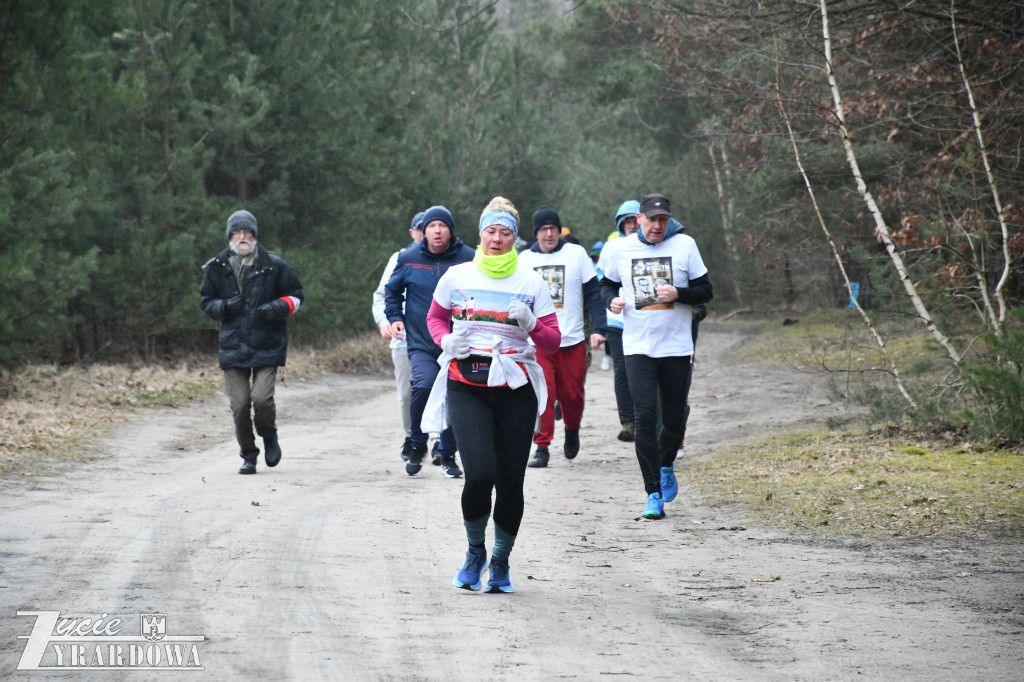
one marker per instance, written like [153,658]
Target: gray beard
[246,256]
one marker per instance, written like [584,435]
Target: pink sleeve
[546,335]
[439,321]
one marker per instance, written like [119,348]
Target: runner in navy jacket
[412,284]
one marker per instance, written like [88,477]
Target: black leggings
[494,430]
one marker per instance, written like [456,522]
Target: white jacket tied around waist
[514,369]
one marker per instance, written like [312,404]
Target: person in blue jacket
[252,292]
[412,285]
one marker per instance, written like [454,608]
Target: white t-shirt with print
[650,327]
[479,304]
[565,271]
[614,319]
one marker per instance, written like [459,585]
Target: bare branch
[454,26]
[880,226]
[894,370]
[1001,285]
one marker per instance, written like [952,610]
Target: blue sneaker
[655,508]
[469,577]
[669,485]
[498,580]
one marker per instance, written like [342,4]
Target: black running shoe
[449,468]
[415,463]
[540,458]
[572,443]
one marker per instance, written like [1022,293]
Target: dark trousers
[424,371]
[251,404]
[658,384]
[494,429]
[623,399]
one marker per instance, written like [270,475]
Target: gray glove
[521,313]
[455,344]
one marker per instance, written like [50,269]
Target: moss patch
[867,485]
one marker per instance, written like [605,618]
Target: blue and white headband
[502,218]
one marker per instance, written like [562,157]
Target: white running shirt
[650,327]
[565,271]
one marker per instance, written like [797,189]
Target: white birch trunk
[726,211]
[1001,285]
[893,369]
[880,227]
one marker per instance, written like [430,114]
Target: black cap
[655,204]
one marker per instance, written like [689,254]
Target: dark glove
[700,311]
[232,307]
[275,310]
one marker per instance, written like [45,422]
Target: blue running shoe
[669,485]
[498,580]
[655,508]
[469,577]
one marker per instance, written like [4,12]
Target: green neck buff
[498,267]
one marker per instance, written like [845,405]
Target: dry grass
[852,482]
[49,412]
[868,485]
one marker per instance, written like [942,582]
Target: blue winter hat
[417,222]
[503,218]
[626,209]
[242,220]
[439,213]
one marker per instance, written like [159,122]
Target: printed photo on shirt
[554,276]
[648,274]
[484,307]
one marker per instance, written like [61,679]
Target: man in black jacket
[252,293]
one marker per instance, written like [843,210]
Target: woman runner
[491,387]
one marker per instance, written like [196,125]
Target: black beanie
[545,216]
[439,213]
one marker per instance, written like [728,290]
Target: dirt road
[337,566]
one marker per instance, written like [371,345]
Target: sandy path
[337,566]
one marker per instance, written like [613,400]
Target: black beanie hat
[439,213]
[242,220]
[545,216]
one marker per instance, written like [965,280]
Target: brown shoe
[628,432]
